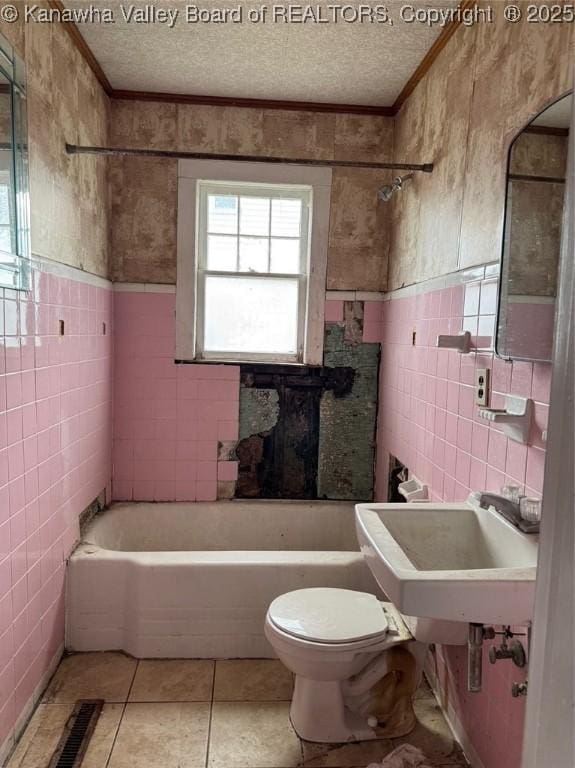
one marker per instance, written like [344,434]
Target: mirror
[536,173]
[14,196]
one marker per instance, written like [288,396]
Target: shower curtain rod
[74,149]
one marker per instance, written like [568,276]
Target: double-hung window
[251,264]
[14,187]
[253,255]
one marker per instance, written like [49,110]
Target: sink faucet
[509,510]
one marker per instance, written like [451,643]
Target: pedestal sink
[450,562]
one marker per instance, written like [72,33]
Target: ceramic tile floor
[202,714]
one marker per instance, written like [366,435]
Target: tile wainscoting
[55,459]
[428,420]
[168,418]
[176,426]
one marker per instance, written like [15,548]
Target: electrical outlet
[482,386]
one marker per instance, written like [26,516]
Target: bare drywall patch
[347,422]
[259,410]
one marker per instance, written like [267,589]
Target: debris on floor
[405,756]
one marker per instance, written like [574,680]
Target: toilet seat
[335,641]
[329,617]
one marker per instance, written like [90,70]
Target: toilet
[337,644]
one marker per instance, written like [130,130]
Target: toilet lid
[329,615]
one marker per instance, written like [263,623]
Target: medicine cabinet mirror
[536,173]
[14,195]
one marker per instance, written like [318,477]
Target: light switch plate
[482,386]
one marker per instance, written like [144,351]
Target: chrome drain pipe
[477,634]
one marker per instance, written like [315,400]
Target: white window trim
[300,192]
[192,171]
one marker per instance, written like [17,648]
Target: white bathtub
[194,580]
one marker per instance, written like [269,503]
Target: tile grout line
[138,662]
[124,705]
[441,761]
[211,715]
[114,740]
[205,701]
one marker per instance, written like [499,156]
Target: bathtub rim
[88,551]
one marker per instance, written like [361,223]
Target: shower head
[386,193]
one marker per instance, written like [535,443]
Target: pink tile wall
[55,458]
[333,311]
[530,328]
[493,719]
[427,419]
[168,418]
[372,321]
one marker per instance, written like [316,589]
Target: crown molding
[426,63]
[303,106]
[83,48]
[230,101]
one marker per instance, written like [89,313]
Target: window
[14,203]
[252,248]
[6,216]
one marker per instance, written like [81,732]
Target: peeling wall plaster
[68,195]
[144,190]
[485,86]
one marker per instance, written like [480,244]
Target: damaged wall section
[347,423]
[308,433]
[279,429]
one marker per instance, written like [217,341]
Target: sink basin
[450,562]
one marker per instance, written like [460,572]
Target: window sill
[245,361]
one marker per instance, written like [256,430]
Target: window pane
[254,215]
[286,218]
[251,314]
[285,256]
[4,201]
[7,232]
[222,253]
[254,254]
[223,214]
[5,240]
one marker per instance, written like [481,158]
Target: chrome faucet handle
[508,509]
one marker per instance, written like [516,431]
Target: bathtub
[194,580]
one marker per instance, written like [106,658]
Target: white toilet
[335,642]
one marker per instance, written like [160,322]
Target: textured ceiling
[346,63]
